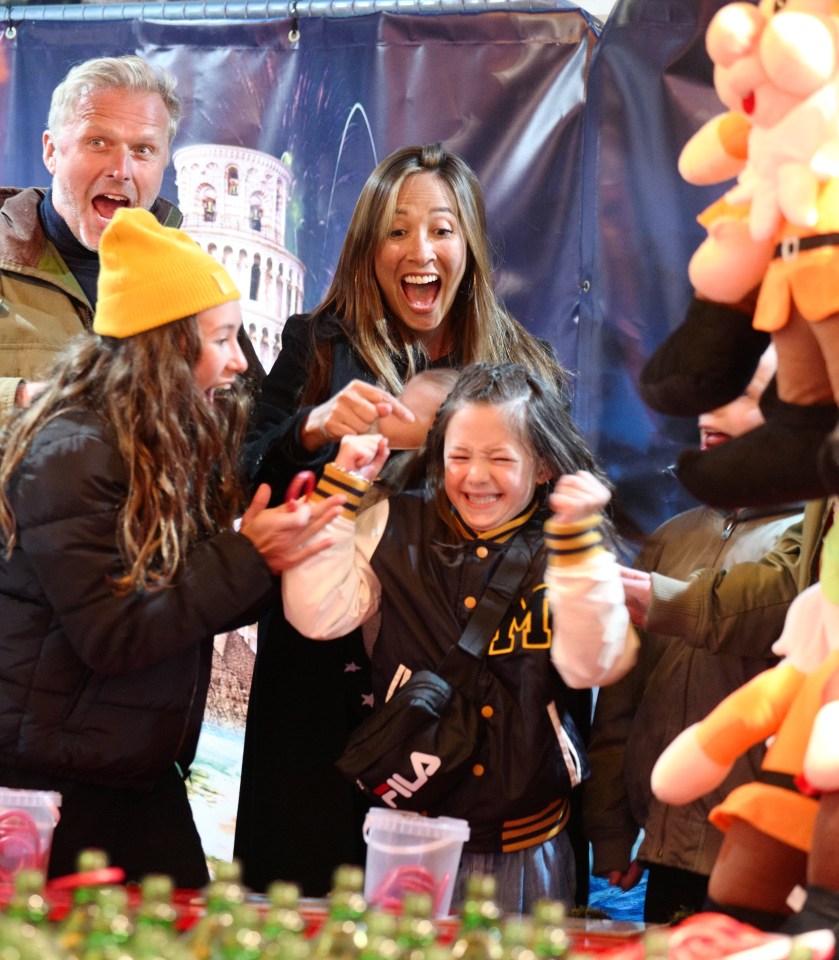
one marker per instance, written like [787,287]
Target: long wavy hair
[181,453]
[481,327]
[536,413]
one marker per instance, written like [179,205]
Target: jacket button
[487,711]
[470,603]
[482,552]
[478,770]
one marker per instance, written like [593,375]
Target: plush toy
[771,256]
[781,831]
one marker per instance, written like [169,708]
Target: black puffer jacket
[93,686]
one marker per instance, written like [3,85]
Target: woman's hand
[353,410]
[364,455]
[284,535]
[577,496]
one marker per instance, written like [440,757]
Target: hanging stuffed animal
[781,831]
[772,250]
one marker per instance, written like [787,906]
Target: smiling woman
[421,262]
[412,290]
[221,359]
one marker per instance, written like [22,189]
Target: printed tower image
[235,203]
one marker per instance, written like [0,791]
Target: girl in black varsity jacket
[421,559]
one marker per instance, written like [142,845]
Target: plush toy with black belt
[781,831]
[769,266]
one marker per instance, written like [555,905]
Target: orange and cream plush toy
[771,251]
[781,831]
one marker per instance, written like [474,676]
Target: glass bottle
[288,948]
[416,930]
[479,937]
[222,896]
[381,936]
[343,935]
[28,901]
[437,951]
[240,939]
[110,928]
[73,929]
[22,940]
[283,917]
[156,943]
[230,871]
[156,908]
[517,933]
[550,940]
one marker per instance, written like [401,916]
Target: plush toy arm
[825,162]
[717,151]
[684,771]
[701,756]
[706,362]
[821,762]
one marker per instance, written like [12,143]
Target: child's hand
[576,496]
[638,589]
[363,454]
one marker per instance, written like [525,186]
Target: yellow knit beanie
[150,275]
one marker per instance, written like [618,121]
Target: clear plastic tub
[407,852]
[27,822]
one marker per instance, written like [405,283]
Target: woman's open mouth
[421,290]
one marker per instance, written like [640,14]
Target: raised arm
[331,593]
[593,641]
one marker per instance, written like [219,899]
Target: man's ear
[49,151]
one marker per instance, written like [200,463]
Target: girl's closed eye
[497,480]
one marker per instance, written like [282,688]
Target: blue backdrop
[574,133]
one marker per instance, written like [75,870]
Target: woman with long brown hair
[412,290]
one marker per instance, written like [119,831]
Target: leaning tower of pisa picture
[235,204]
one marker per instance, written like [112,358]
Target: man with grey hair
[111,124]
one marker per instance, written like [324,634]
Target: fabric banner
[574,134]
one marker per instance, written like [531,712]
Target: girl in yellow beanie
[119,487]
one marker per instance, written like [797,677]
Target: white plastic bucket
[27,822]
[410,853]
